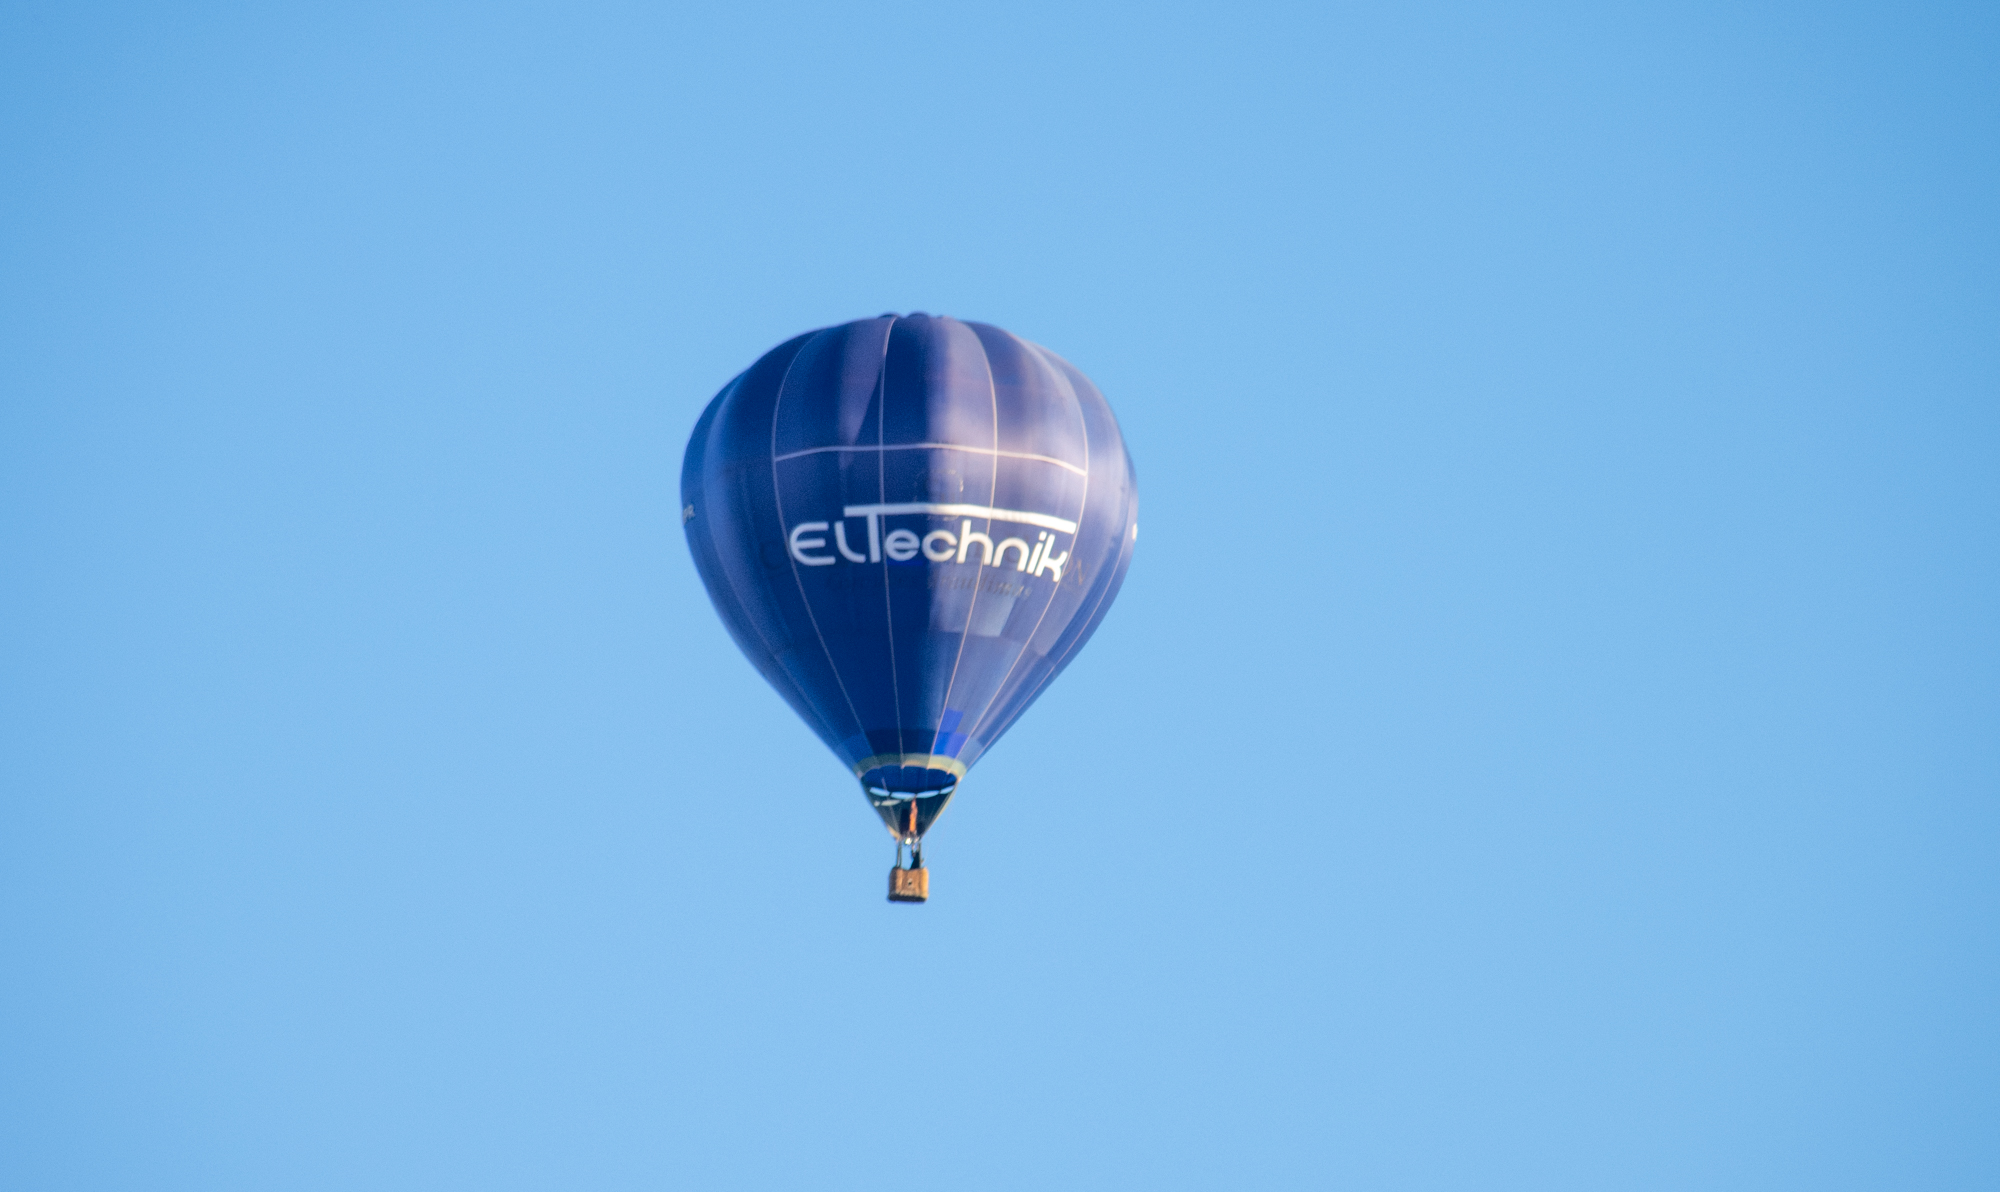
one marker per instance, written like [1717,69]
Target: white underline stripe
[1043,520]
[1045,459]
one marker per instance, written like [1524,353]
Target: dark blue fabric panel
[935,384]
[1038,415]
[909,638]
[1104,551]
[840,367]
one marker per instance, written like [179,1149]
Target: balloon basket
[909,885]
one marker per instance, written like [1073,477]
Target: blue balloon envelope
[910,525]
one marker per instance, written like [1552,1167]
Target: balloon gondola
[909,525]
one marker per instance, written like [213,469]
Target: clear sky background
[1549,737]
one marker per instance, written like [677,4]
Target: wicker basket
[909,885]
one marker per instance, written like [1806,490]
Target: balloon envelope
[910,525]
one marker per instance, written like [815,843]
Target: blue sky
[1546,739]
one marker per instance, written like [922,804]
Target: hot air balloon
[910,525]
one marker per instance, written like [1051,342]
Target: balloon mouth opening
[909,790]
[908,814]
[902,782]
